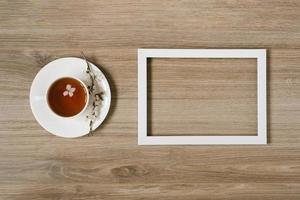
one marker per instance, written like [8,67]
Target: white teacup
[67,97]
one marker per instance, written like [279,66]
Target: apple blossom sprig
[97,98]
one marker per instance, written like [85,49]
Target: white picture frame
[259,54]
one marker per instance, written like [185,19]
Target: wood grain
[110,165]
[202,97]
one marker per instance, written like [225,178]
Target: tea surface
[67,97]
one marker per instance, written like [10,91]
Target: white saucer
[61,126]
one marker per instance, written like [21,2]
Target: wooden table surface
[110,165]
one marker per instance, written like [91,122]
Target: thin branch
[95,96]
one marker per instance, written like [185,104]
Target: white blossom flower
[69,90]
[91,116]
